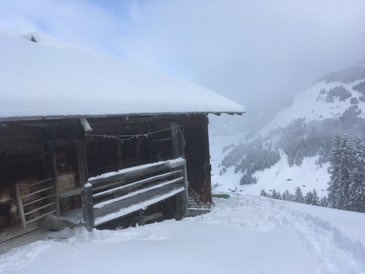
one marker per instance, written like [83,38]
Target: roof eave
[59,117]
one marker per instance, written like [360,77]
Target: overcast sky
[255,52]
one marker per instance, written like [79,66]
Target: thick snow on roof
[48,78]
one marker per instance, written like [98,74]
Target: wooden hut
[87,139]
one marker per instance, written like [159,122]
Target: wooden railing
[36,200]
[117,194]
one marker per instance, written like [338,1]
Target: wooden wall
[197,155]
[59,149]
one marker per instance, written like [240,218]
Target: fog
[258,53]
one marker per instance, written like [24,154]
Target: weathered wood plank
[136,184]
[39,208]
[133,200]
[38,191]
[159,196]
[38,200]
[138,192]
[40,217]
[142,170]
[70,193]
[119,202]
[88,210]
[22,185]
[151,217]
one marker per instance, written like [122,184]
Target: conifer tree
[298,195]
[264,193]
[315,198]
[340,170]
[286,195]
[334,170]
[274,194]
[356,199]
[323,202]
[308,199]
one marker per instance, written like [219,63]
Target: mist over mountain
[292,148]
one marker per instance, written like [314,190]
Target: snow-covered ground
[243,234]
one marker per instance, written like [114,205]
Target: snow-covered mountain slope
[281,177]
[328,98]
[293,148]
[243,234]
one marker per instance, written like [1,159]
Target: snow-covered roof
[42,77]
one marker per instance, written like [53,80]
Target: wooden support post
[85,124]
[141,217]
[151,152]
[82,161]
[182,198]
[178,151]
[20,206]
[139,151]
[186,192]
[207,186]
[119,154]
[182,144]
[88,206]
[52,145]
[175,141]
[179,207]
[55,176]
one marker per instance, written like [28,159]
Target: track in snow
[334,251]
[243,234]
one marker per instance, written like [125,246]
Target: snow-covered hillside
[292,149]
[280,176]
[243,234]
[329,98]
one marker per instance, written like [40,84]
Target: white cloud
[78,22]
[243,48]
[252,51]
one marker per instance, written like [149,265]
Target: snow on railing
[115,194]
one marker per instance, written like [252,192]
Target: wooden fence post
[182,198]
[88,206]
[186,192]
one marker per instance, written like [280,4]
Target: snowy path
[334,251]
[244,234]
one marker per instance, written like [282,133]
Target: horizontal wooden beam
[39,208]
[40,217]
[138,192]
[136,184]
[132,172]
[130,207]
